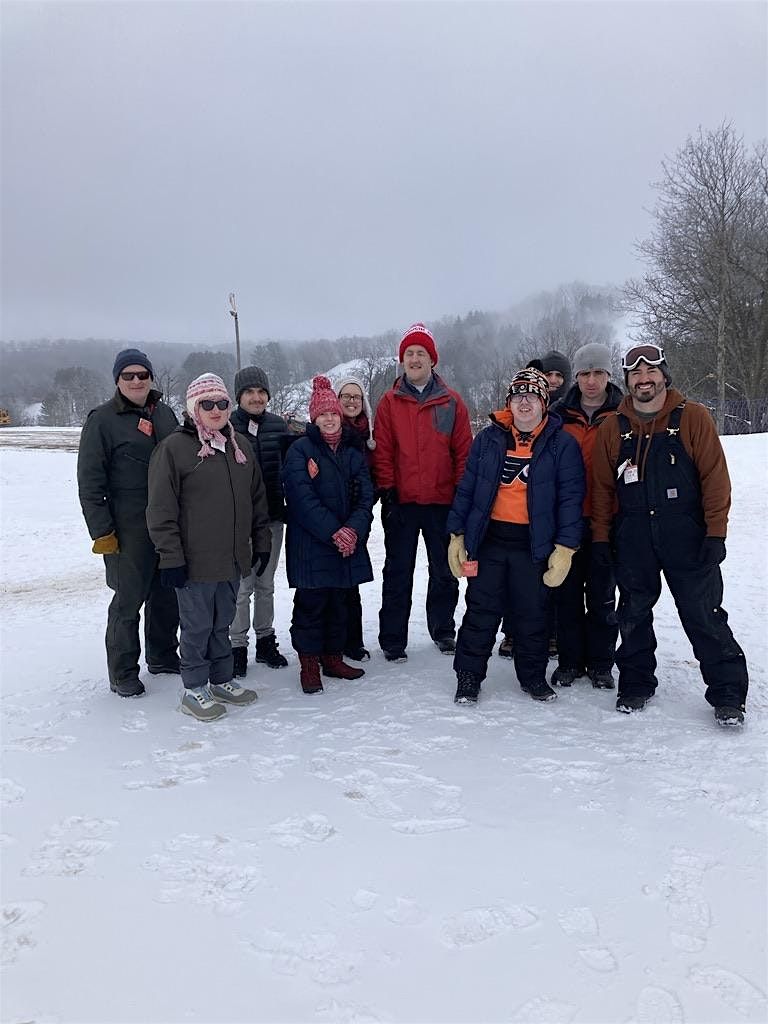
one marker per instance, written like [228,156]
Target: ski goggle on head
[653,355]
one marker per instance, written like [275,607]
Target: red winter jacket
[421,447]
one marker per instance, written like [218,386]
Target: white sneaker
[199,705]
[232,693]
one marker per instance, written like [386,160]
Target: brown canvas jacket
[700,440]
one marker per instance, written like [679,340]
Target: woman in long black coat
[329,497]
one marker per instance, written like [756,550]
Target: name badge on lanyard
[145,426]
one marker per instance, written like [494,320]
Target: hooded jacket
[555,488]
[699,438]
[576,424]
[421,447]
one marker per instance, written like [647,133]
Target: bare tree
[705,296]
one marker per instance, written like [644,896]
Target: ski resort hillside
[373,853]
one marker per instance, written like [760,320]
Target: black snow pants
[401,539]
[133,576]
[585,602]
[319,624]
[508,583]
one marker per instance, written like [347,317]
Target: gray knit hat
[250,377]
[593,356]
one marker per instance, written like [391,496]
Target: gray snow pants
[205,613]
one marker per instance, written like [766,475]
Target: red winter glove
[345,540]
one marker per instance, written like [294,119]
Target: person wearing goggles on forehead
[515,524]
[207,517]
[660,501]
[116,443]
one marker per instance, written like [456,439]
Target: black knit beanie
[250,377]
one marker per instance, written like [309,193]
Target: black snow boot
[507,647]
[565,676]
[732,717]
[539,691]
[602,678]
[267,652]
[468,688]
[131,688]
[240,661]
[628,705]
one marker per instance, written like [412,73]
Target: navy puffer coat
[555,489]
[339,494]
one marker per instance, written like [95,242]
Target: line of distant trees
[703,298]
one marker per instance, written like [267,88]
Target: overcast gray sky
[343,167]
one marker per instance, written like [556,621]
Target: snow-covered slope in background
[373,853]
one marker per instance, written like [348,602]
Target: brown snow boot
[310,673]
[334,666]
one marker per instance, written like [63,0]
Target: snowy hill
[373,853]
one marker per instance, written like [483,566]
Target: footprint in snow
[658,1006]
[734,990]
[544,1010]
[406,912]
[364,899]
[316,955]
[10,791]
[41,744]
[596,959]
[17,936]
[346,1013]
[471,927]
[295,832]
[71,847]
[578,921]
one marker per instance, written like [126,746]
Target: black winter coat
[266,446]
[339,494]
[113,462]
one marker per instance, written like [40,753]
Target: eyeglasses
[138,374]
[520,396]
[208,404]
[651,354]
[351,398]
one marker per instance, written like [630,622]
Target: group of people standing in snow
[570,492]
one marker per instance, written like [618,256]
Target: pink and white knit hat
[210,386]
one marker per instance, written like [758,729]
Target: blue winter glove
[712,551]
[260,561]
[176,577]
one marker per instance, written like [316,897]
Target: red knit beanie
[417,334]
[323,399]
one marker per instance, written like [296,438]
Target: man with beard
[660,501]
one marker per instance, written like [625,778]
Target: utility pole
[233,312]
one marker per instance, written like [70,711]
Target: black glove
[176,577]
[260,561]
[602,554]
[390,506]
[712,551]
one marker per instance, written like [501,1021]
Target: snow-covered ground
[373,853]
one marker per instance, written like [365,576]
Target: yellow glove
[558,565]
[106,545]
[457,554]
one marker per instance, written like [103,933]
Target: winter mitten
[602,555]
[457,554]
[260,561]
[345,540]
[712,551]
[106,545]
[176,577]
[558,565]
